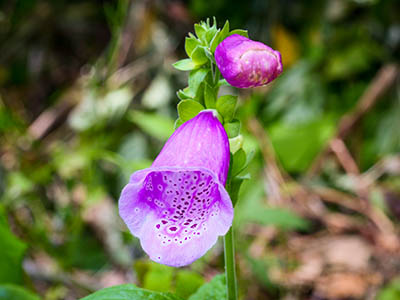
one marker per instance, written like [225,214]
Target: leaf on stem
[188,109]
[226,107]
[232,128]
[185,65]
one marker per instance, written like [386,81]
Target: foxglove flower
[245,63]
[178,207]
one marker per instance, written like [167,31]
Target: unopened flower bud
[245,63]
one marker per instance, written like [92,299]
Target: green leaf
[14,292]
[188,109]
[199,56]
[185,65]
[234,186]
[240,32]
[190,44]
[196,77]
[220,36]
[199,96]
[200,32]
[129,292]
[153,124]
[210,97]
[187,282]
[226,107]
[215,41]
[178,123]
[211,34]
[184,94]
[214,290]
[232,128]
[239,160]
[225,31]
[11,253]
[279,217]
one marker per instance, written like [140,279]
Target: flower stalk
[181,204]
[230,267]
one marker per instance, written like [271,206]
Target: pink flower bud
[245,63]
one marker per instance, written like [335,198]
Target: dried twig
[343,154]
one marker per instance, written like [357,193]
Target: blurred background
[87,96]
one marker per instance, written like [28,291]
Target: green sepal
[188,109]
[232,128]
[226,107]
[185,65]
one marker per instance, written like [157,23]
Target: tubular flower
[245,63]
[178,207]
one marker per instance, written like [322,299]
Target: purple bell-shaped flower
[178,207]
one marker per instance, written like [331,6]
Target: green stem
[230,269]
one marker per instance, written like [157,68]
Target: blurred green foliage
[11,253]
[14,292]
